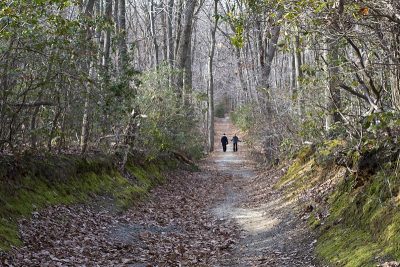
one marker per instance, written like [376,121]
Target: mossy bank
[30,182]
[352,200]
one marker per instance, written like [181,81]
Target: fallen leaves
[172,228]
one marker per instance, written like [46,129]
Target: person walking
[224,141]
[235,141]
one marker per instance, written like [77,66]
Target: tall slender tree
[183,60]
[211,79]
[88,13]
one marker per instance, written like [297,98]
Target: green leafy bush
[243,117]
[167,124]
[220,110]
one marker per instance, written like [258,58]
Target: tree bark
[239,64]
[183,51]
[293,76]
[333,98]
[122,46]
[269,49]
[153,33]
[86,111]
[267,45]
[333,89]
[170,48]
[107,37]
[211,80]
[178,27]
[299,76]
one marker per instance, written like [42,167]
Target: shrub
[220,110]
[168,124]
[243,117]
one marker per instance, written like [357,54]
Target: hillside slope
[30,183]
[351,198]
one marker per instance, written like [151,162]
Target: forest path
[227,214]
[272,235]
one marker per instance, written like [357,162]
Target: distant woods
[120,75]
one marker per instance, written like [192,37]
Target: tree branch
[354,92]
[34,104]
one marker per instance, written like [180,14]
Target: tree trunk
[211,80]
[395,72]
[240,67]
[270,49]
[164,23]
[107,37]
[54,124]
[153,33]
[178,26]
[293,76]
[333,93]
[299,76]
[333,97]
[267,45]
[170,48]
[184,47]
[122,47]
[86,111]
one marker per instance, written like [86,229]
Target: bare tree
[86,112]
[211,80]
[183,61]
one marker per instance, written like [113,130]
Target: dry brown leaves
[171,228]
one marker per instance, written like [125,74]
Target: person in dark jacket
[224,141]
[235,141]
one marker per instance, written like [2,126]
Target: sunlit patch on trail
[254,221]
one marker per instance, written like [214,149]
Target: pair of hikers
[235,140]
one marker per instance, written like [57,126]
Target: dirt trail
[225,215]
[272,234]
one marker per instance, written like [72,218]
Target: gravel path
[271,232]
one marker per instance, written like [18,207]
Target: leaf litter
[173,227]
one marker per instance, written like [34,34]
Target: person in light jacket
[235,141]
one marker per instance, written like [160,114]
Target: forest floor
[227,214]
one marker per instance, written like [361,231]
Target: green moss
[341,202]
[313,221]
[369,221]
[363,225]
[290,175]
[68,180]
[8,234]
[327,147]
[347,247]
[299,169]
[391,236]
[298,178]
[156,171]
[305,153]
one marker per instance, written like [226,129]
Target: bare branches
[34,104]
[353,92]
